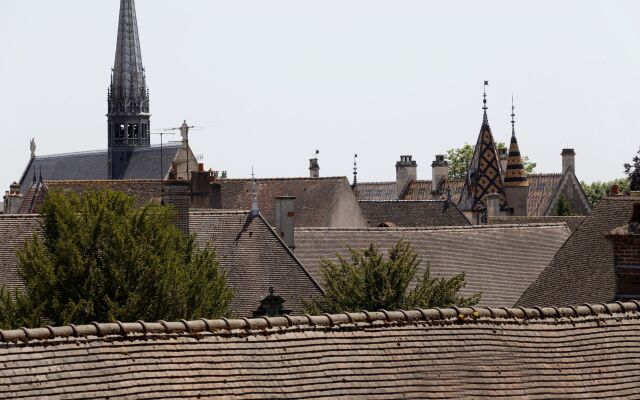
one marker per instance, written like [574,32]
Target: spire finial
[513,117]
[484,99]
[254,195]
[355,170]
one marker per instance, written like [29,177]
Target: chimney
[626,256]
[285,219]
[439,172]
[493,204]
[12,199]
[406,171]
[503,155]
[615,189]
[201,189]
[314,168]
[568,160]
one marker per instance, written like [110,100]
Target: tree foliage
[564,207]
[369,280]
[102,259]
[596,191]
[633,173]
[460,158]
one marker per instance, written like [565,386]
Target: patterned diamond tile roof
[582,270]
[512,256]
[413,213]
[566,353]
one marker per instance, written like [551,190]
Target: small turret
[516,185]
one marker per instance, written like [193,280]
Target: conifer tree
[102,259]
[633,172]
[369,280]
[564,207]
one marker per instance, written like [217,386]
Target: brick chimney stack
[12,199]
[439,172]
[406,171]
[285,219]
[626,256]
[568,160]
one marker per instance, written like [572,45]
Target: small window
[135,131]
[120,133]
[130,131]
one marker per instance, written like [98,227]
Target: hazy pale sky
[273,80]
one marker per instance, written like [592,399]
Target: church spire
[515,174]
[128,95]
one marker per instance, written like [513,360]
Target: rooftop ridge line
[100,151]
[223,325]
[434,228]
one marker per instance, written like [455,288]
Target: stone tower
[516,185]
[128,96]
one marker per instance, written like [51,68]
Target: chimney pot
[200,167]
[615,189]
[439,172]
[568,160]
[406,171]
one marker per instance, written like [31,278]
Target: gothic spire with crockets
[128,96]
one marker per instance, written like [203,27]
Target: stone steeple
[484,176]
[128,96]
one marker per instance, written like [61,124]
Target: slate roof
[413,213]
[542,191]
[93,165]
[254,258]
[512,256]
[581,352]
[583,269]
[573,222]
[314,196]
[15,231]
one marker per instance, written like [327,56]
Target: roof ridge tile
[451,314]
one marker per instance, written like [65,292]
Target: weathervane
[355,170]
[513,117]
[484,100]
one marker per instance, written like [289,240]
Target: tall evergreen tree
[102,259]
[633,172]
[369,280]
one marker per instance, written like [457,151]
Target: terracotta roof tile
[581,352]
[582,270]
[314,196]
[15,231]
[254,258]
[509,260]
[413,213]
[573,222]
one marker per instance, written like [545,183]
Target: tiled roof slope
[542,191]
[15,231]
[376,191]
[580,352]
[582,270]
[254,258]
[315,197]
[93,165]
[413,213]
[510,259]
[573,222]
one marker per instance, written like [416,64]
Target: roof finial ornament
[32,147]
[355,170]
[255,210]
[484,102]
[513,117]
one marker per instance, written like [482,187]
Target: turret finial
[485,119]
[355,170]
[513,117]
